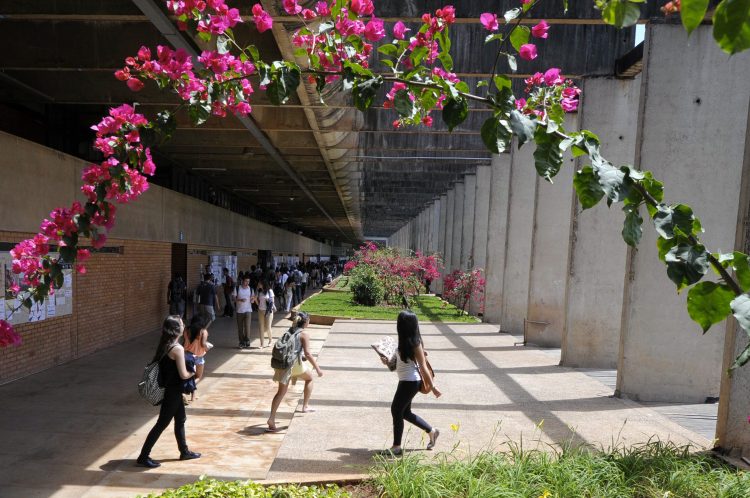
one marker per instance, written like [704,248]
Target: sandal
[433,439]
[390,452]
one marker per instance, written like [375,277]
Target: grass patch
[212,488]
[430,308]
[341,283]
[653,470]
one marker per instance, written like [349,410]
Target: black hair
[207,276]
[197,323]
[170,331]
[300,319]
[409,337]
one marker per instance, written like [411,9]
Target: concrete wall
[458,221]
[449,223]
[481,225]
[467,238]
[591,336]
[497,240]
[523,184]
[442,231]
[685,101]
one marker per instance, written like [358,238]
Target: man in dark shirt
[209,302]
[176,293]
[228,289]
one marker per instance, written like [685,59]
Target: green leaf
[493,37]
[364,92]
[496,135]
[692,13]
[741,360]
[708,303]
[522,126]
[732,25]
[741,308]
[686,264]
[741,267]
[403,104]
[455,112]
[664,246]
[671,221]
[388,49]
[206,37]
[482,83]
[512,14]
[621,13]
[253,52]
[548,157]
[632,229]
[613,181]
[587,187]
[446,60]
[199,113]
[222,44]
[519,36]
[325,27]
[418,54]
[501,82]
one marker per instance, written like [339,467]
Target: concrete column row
[563,277]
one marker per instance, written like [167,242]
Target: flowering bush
[366,286]
[400,276]
[460,286]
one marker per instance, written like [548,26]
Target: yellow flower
[455,427]
[546,494]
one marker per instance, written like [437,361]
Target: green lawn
[429,308]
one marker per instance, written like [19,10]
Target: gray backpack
[286,350]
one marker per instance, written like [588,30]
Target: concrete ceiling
[359,175]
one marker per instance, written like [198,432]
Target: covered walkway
[75,430]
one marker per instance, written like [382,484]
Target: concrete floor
[75,430]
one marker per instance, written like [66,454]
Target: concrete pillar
[481,224]
[442,229]
[434,226]
[523,183]
[467,239]
[497,238]
[686,100]
[548,274]
[458,220]
[591,337]
[449,217]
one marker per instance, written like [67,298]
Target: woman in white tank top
[409,354]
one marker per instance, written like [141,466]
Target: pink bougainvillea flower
[526,2]
[8,336]
[375,29]
[528,52]
[489,21]
[427,120]
[263,20]
[399,30]
[135,84]
[540,30]
[552,77]
[323,9]
[291,7]
[363,7]
[308,14]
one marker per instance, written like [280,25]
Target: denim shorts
[200,360]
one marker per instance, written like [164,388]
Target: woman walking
[195,339]
[301,369]
[171,358]
[411,367]
[266,307]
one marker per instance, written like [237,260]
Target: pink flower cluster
[527,51]
[212,16]
[8,336]
[550,86]
[460,286]
[263,20]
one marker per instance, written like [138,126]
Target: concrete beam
[481,225]
[467,239]
[497,238]
[458,221]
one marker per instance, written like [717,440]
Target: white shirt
[262,300]
[245,293]
[406,370]
[284,278]
[304,277]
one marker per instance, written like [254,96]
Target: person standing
[305,279]
[195,339]
[411,367]
[244,297]
[209,301]
[266,307]
[176,294]
[171,358]
[288,295]
[228,287]
[301,368]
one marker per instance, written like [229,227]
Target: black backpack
[287,349]
[178,290]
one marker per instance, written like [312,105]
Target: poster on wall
[58,304]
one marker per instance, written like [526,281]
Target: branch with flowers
[337,41]
[461,286]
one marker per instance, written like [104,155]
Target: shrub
[366,287]
[212,488]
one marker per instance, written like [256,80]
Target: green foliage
[520,36]
[692,13]
[732,25]
[686,264]
[364,92]
[548,157]
[496,134]
[430,308]
[708,303]
[586,184]
[455,112]
[212,488]
[653,470]
[367,288]
[620,13]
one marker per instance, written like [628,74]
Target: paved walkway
[75,430]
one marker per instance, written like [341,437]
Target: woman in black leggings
[171,358]
[409,354]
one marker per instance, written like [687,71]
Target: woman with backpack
[171,358]
[292,360]
[411,366]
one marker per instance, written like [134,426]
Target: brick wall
[120,297]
